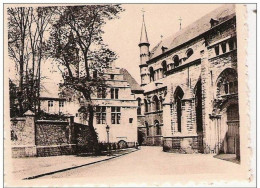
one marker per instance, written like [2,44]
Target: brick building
[190,101]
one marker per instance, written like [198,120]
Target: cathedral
[190,87]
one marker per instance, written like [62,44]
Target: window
[101,114]
[61,103]
[156,103]
[146,105]
[130,120]
[50,103]
[161,103]
[217,50]
[176,61]
[231,44]
[101,93]
[114,93]
[189,52]
[158,127]
[147,128]
[115,115]
[227,82]
[178,95]
[164,67]
[151,74]
[112,76]
[139,106]
[224,47]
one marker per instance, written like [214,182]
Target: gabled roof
[135,87]
[195,29]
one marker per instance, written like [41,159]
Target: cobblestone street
[152,165]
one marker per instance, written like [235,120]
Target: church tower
[144,55]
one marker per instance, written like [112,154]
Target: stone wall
[23,136]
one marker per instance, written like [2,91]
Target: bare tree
[26,44]
[77,44]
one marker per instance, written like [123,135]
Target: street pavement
[152,166]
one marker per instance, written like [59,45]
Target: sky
[123,34]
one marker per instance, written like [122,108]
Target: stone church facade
[190,101]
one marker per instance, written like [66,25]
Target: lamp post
[107,129]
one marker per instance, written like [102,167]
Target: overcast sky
[123,35]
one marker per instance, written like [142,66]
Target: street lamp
[107,129]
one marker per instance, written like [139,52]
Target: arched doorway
[199,121]
[233,128]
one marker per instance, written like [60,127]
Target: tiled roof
[198,27]
[131,81]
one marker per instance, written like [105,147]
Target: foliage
[76,43]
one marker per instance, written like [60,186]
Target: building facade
[190,101]
[115,106]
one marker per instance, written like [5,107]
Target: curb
[74,167]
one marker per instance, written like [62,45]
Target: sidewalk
[37,166]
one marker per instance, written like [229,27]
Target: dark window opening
[112,76]
[217,50]
[158,128]
[164,67]
[147,128]
[189,52]
[139,106]
[198,104]
[146,105]
[151,74]
[130,120]
[176,61]
[231,44]
[224,47]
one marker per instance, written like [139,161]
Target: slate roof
[198,27]
[135,87]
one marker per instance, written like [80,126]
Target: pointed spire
[143,38]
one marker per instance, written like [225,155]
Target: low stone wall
[187,144]
[45,151]
[44,138]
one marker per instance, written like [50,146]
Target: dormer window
[213,22]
